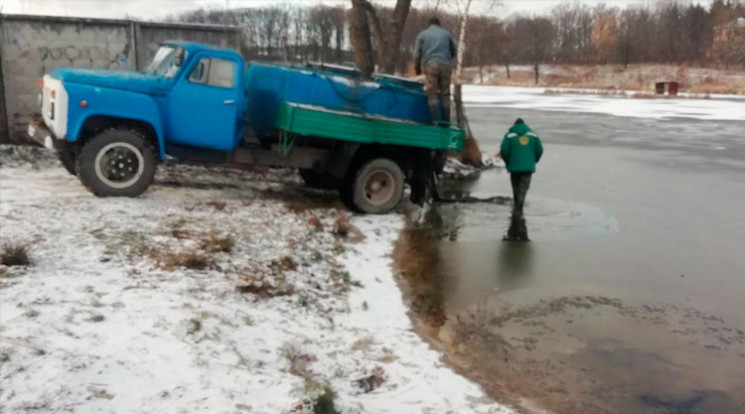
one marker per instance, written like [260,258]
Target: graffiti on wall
[90,56]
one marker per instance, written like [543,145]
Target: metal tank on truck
[199,103]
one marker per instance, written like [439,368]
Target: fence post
[4,131]
[133,45]
[136,39]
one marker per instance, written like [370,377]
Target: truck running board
[299,157]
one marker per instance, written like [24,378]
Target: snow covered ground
[217,291]
[724,107]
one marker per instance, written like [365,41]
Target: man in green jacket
[521,150]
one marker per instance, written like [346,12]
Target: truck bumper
[41,135]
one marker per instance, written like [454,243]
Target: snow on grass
[216,291]
[732,109]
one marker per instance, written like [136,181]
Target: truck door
[206,105]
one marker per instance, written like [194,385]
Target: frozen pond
[629,297]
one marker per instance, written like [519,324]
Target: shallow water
[631,295]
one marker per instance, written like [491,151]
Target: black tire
[378,186]
[117,162]
[67,158]
[315,179]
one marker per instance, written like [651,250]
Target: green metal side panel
[344,126]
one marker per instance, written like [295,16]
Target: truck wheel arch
[94,124]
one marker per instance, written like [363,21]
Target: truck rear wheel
[117,162]
[378,186]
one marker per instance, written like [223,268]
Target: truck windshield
[166,61]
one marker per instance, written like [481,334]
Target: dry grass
[601,92]
[299,361]
[191,259]
[315,223]
[371,382]
[218,244]
[15,255]
[615,77]
[344,278]
[284,264]
[217,205]
[263,288]
[323,396]
[342,226]
[179,232]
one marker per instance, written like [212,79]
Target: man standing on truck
[521,150]
[433,54]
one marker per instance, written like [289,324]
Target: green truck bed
[320,122]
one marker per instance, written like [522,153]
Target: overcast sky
[157,9]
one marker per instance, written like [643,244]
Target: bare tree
[471,153]
[359,36]
[534,38]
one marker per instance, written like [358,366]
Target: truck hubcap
[379,187]
[119,164]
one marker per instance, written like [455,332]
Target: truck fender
[113,103]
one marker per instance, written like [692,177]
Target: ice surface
[716,108]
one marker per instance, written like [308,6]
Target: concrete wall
[150,35]
[31,46]
[3,113]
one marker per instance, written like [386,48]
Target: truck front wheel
[118,162]
[378,186]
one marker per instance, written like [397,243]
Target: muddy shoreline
[413,264]
[535,357]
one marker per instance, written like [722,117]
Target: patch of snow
[536,98]
[100,322]
[352,83]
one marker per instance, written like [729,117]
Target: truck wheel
[378,186]
[315,179]
[117,162]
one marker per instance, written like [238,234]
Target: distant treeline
[667,32]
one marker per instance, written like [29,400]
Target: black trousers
[421,181]
[520,185]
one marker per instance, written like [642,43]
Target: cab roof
[194,46]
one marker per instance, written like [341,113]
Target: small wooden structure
[669,87]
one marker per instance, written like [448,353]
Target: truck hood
[117,79]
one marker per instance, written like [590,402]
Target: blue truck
[199,103]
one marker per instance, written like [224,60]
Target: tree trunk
[536,70]
[393,36]
[471,154]
[461,42]
[359,37]
[339,41]
[388,38]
